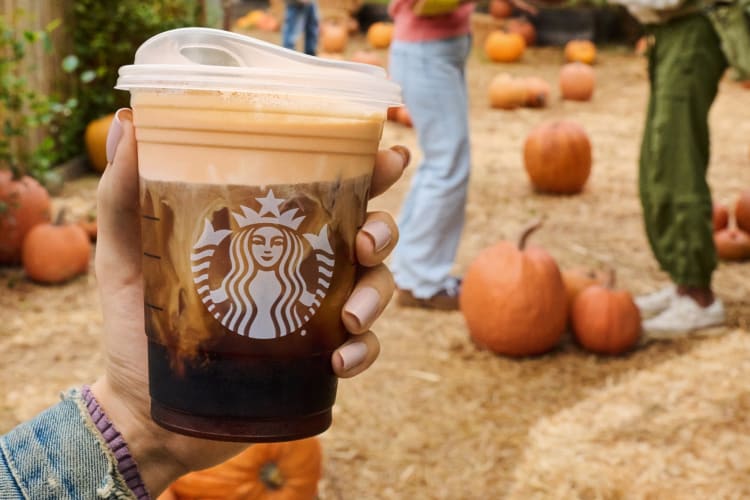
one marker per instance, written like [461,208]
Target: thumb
[119,227]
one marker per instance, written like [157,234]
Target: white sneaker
[656,302]
[684,316]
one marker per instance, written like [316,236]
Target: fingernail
[115,132]
[352,354]
[362,306]
[404,152]
[379,233]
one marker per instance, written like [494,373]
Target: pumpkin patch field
[438,416]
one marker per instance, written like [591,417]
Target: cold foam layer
[235,138]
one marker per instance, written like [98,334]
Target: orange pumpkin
[283,471]
[89,225]
[578,279]
[333,38]
[367,57]
[393,113]
[379,35]
[745,84]
[513,299]
[742,211]
[504,47]
[732,244]
[24,203]
[557,157]
[606,321]
[506,92]
[583,51]
[268,23]
[523,28]
[54,253]
[500,9]
[719,216]
[95,139]
[537,92]
[352,26]
[577,81]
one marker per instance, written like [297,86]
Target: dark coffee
[243,290]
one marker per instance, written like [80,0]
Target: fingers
[376,239]
[371,294]
[117,200]
[356,355]
[389,165]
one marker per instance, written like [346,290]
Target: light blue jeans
[432,76]
[301,17]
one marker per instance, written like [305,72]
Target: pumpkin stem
[60,219]
[531,228]
[611,278]
[271,476]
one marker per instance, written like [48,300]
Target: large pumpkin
[24,203]
[732,244]
[504,47]
[557,157]
[606,321]
[742,211]
[54,253]
[577,81]
[267,471]
[333,38]
[513,299]
[379,35]
[95,139]
[506,92]
[583,51]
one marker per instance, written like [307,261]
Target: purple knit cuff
[125,462]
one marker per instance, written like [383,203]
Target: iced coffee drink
[250,199]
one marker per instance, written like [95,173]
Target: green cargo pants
[685,66]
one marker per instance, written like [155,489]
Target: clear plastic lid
[211,59]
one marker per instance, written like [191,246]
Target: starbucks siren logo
[266,293]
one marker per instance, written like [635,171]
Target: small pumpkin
[89,225]
[513,299]
[24,203]
[577,279]
[268,23]
[333,38]
[523,28]
[367,57]
[606,321]
[732,244]
[352,26]
[380,35]
[249,20]
[742,211]
[288,470]
[583,51]
[500,9]
[95,139]
[745,84]
[393,113]
[537,92]
[557,157]
[719,216]
[506,92]
[54,253]
[504,47]
[577,81]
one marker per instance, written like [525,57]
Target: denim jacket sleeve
[59,454]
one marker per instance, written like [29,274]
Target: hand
[163,456]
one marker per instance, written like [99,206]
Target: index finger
[389,165]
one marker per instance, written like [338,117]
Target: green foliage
[25,112]
[105,36]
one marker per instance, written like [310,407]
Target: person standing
[688,55]
[301,16]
